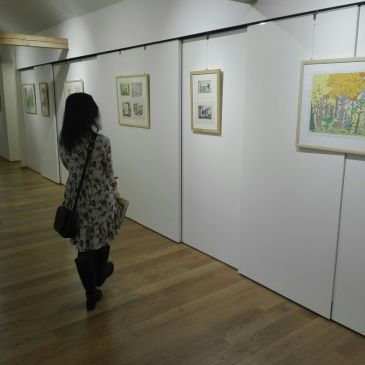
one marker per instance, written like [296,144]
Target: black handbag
[66,223]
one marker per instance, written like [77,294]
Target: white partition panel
[290,198]
[212,164]
[335,33]
[349,297]
[147,161]
[41,131]
[4,143]
[360,50]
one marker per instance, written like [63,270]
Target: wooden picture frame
[133,98]
[29,98]
[206,101]
[331,108]
[73,86]
[44,98]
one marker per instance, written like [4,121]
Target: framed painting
[133,100]
[73,86]
[331,112]
[29,98]
[206,101]
[44,98]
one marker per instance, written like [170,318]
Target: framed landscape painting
[206,101]
[44,98]
[73,86]
[331,113]
[29,98]
[133,100]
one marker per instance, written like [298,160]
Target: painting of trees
[338,104]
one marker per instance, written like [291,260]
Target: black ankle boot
[103,268]
[86,269]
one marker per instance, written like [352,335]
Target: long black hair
[81,117]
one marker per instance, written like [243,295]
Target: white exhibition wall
[146,161]
[4,143]
[249,197]
[41,131]
[290,198]
[211,168]
[349,295]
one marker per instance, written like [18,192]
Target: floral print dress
[97,208]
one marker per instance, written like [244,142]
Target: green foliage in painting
[338,104]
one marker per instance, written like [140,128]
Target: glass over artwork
[338,104]
[331,114]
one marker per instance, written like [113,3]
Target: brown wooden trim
[16,39]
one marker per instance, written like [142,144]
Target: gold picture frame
[133,98]
[29,98]
[206,101]
[44,98]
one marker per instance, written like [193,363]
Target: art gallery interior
[288,218]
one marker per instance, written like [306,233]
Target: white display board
[349,295]
[290,198]
[41,131]
[211,163]
[146,161]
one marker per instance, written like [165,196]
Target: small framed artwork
[73,86]
[29,98]
[134,100]
[44,98]
[206,101]
[331,112]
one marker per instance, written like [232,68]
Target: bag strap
[89,150]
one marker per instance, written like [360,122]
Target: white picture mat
[205,99]
[74,86]
[134,120]
[322,141]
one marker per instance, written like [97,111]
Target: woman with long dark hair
[97,207]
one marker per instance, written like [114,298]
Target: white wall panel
[40,131]
[360,50]
[349,296]
[212,164]
[290,199]
[335,33]
[133,22]
[147,161]
[4,144]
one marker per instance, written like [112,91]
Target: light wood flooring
[166,303]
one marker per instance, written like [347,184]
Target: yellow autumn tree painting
[338,104]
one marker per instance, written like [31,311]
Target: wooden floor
[166,303]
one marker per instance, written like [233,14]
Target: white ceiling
[33,16]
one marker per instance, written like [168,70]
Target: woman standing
[97,207]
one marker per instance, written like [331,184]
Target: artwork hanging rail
[206,101]
[331,112]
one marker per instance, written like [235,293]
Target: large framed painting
[206,101]
[133,100]
[73,86]
[29,98]
[331,113]
[44,98]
